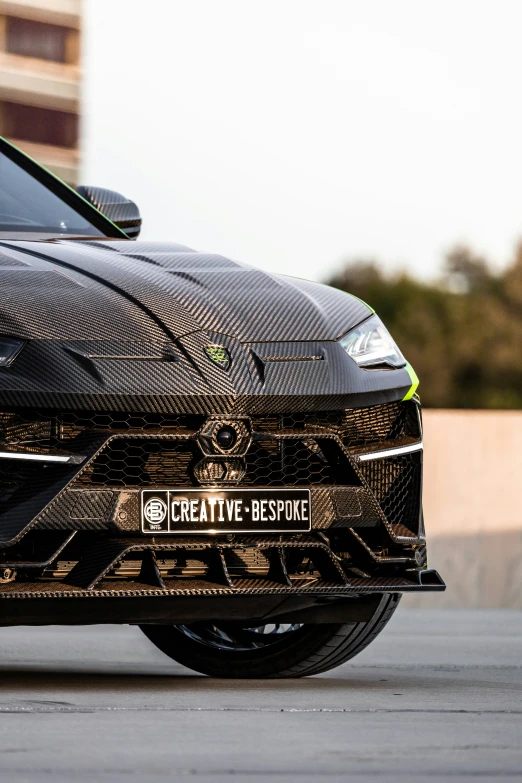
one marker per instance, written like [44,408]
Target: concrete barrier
[472,506]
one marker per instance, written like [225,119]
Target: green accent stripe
[64,184]
[363,302]
[414,382]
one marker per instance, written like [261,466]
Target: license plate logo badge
[155,514]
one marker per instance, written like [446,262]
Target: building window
[36,39]
[40,126]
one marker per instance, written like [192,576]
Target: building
[40,80]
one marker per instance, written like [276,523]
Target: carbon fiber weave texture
[108,292]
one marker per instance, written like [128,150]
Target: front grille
[270,463]
[20,431]
[142,463]
[43,431]
[357,427]
[293,462]
[287,450]
[396,483]
[69,425]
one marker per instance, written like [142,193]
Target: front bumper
[201,578]
[70,529]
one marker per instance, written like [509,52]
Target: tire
[232,650]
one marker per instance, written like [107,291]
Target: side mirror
[122,211]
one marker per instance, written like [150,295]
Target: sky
[296,134]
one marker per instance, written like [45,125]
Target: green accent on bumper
[414,382]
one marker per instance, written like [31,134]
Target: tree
[463,333]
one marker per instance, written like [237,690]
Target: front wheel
[236,650]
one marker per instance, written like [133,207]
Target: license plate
[225,510]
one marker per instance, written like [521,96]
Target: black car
[230,459]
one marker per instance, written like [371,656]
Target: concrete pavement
[437,696]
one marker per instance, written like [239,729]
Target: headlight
[9,349]
[370,344]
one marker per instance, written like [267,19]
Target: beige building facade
[40,80]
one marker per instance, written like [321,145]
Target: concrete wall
[472,505]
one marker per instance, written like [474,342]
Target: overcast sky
[292,134]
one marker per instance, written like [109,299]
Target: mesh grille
[149,463]
[29,432]
[296,463]
[396,483]
[142,463]
[42,431]
[71,424]
[298,455]
[357,427]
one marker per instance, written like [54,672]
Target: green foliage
[463,334]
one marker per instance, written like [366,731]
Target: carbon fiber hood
[129,325]
[133,289]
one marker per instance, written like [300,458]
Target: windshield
[28,206]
